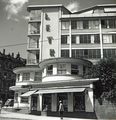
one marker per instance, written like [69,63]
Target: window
[65,25]
[50,70]
[107,38]
[114,38]
[61,68]
[74,69]
[52,52]
[37,76]
[26,76]
[109,53]
[50,40]
[47,17]
[86,53]
[74,24]
[65,53]
[112,23]
[93,24]
[24,99]
[64,39]
[85,39]
[48,28]
[96,38]
[34,28]
[104,23]
[18,77]
[73,39]
[85,24]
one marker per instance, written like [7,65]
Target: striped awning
[48,91]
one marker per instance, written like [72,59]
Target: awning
[59,90]
[17,88]
[27,94]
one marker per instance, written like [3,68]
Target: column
[39,102]
[29,99]
[89,101]
[70,45]
[54,102]
[101,42]
[70,102]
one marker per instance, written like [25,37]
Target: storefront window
[46,102]
[34,103]
[64,98]
[79,102]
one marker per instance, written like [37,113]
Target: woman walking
[61,109]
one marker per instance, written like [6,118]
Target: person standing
[61,109]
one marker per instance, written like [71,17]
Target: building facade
[7,76]
[62,46]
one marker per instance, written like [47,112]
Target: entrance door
[79,101]
[64,98]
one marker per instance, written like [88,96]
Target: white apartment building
[62,46]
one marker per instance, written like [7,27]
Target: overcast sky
[13,19]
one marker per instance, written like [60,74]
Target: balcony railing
[35,32]
[33,45]
[32,61]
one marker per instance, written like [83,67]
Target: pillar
[89,101]
[39,102]
[54,102]
[29,99]
[70,102]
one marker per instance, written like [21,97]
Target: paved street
[17,116]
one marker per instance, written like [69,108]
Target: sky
[14,20]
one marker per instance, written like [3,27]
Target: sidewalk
[18,116]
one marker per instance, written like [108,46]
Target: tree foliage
[105,87]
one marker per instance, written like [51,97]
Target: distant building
[62,46]
[7,77]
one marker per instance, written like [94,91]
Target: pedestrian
[0,106]
[61,109]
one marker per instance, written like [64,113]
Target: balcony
[34,32]
[32,61]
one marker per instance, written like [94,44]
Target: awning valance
[29,93]
[46,91]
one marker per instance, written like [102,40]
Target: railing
[35,32]
[33,45]
[32,61]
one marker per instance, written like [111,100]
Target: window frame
[26,76]
[49,70]
[61,68]
[74,69]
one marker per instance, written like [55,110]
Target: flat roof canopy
[48,91]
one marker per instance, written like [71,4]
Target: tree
[105,87]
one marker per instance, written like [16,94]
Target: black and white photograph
[57,59]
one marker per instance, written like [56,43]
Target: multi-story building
[62,46]
[7,77]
